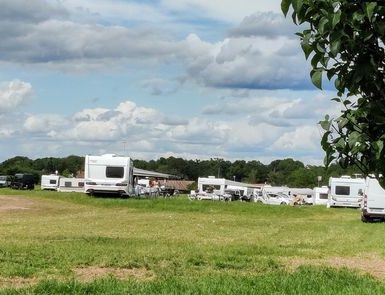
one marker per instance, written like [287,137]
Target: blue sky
[186,78]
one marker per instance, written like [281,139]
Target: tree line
[279,172]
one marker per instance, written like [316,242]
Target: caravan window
[323,196]
[343,190]
[210,187]
[52,181]
[114,172]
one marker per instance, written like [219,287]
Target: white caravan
[344,191]
[222,187]
[71,184]
[110,174]
[50,182]
[321,195]
[373,204]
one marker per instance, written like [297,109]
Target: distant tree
[345,40]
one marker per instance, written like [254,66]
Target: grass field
[69,243]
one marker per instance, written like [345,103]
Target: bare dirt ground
[10,203]
[91,273]
[371,264]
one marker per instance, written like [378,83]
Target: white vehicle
[71,184]
[222,187]
[273,199]
[373,203]
[50,182]
[110,174]
[321,195]
[344,191]
[5,181]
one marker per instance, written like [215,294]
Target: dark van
[23,181]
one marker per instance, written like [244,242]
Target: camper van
[344,191]
[373,203]
[321,195]
[109,174]
[49,182]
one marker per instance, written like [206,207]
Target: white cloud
[44,123]
[224,10]
[303,138]
[13,94]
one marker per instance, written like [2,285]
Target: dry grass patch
[10,203]
[16,282]
[91,273]
[371,264]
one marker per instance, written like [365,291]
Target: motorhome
[321,195]
[109,174]
[373,203]
[49,182]
[344,191]
[71,184]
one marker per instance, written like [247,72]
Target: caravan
[50,182]
[71,184]
[345,191]
[321,195]
[110,174]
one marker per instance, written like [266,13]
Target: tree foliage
[344,41]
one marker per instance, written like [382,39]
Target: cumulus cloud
[265,24]
[13,94]
[44,123]
[251,63]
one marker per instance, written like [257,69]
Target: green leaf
[316,59]
[336,18]
[307,49]
[321,25]
[326,124]
[369,9]
[285,4]
[297,5]
[316,77]
[379,147]
[335,47]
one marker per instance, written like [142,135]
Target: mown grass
[187,247]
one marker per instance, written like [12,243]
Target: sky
[195,79]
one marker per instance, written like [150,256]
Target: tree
[345,40]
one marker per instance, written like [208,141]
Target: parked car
[23,181]
[273,199]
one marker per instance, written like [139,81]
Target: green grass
[184,247]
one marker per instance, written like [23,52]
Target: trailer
[345,191]
[49,182]
[321,195]
[71,184]
[109,174]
